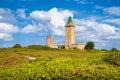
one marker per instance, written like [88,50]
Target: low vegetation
[113,58]
[54,64]
[40,47]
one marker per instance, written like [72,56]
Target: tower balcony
[70,25]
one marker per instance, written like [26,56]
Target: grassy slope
[55,64]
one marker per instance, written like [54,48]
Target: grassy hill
[58,64]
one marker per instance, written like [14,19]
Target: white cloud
[94,26]
[54,17]
[7,19]
[6,31]
[21,13]
[29,29]
[7,16]
[2,10]
[113,10]
[98,7]
[104,29]
[1,17]
[115,21]
[6,37]
[8,28]
[88,30]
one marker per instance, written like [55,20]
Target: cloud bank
[53,19]
[113,10]
[6,31]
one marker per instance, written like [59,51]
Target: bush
[89,45]
[40,47]
[17,46]
[63,47]
[113,58]
[104,50]
[114,49]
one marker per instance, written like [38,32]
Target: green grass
[56,64]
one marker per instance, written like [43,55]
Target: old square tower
[69,33]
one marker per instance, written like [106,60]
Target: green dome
[70,19]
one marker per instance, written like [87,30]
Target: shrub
[40,47]
[114,49]
[89,45]
[103,49]
[113,58]
[17,46]
[63,47]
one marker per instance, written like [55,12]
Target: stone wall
[79,46]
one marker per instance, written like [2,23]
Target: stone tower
[69,33]
[50,41]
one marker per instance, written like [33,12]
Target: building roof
[70,19]
[70,22]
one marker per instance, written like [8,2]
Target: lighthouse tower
[69,33]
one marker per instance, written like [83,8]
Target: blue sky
[30,21]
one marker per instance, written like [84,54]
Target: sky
[29,22]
